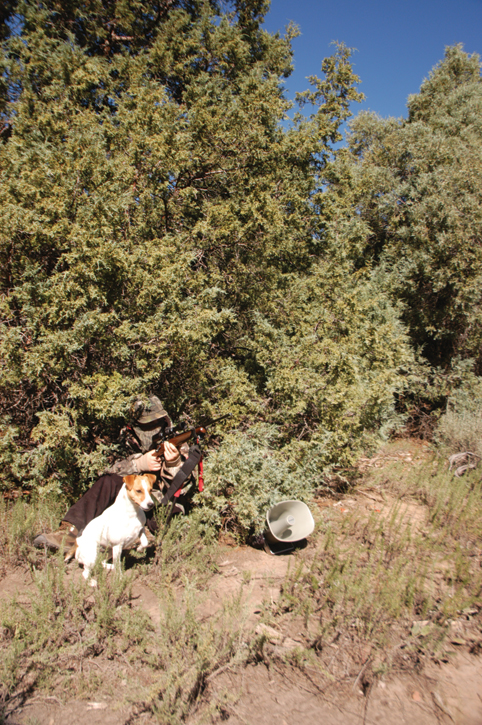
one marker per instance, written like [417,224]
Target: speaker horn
[288,522]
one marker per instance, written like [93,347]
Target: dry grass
[381,586]
[62,636]
[383,589]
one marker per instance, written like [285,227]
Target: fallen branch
[464,462]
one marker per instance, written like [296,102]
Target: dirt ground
[443,693]
[271,691]
[450,693]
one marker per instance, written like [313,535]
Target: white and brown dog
[119,526]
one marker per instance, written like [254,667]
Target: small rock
[416,696]
[289,643]
[231,572]
[421,628]
[458,640]
[270,633]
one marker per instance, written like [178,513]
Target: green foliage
[246,476]
[179,557]
[151,206]
[19,523]
[416,184]
[335,355]
[161,231]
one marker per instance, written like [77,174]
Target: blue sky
[397,42]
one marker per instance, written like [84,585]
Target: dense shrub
[460,427]
[163,231]
[245,477]
[150,203]
[335,356]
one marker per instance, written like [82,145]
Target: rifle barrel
[181,438]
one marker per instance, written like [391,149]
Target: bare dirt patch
[16,583]
[442,694]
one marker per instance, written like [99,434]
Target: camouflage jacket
[141,441]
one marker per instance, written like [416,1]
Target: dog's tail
[71,552]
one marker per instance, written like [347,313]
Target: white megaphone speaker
[287,523]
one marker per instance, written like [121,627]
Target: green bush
[335,357]
[415,184]
[150,203]
[245,476]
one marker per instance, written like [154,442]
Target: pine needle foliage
[152,206]
[335,356]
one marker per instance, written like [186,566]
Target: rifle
[181,433]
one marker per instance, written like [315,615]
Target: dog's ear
[129,481]
[151,477]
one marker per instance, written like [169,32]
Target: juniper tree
[417,187]
[151,205]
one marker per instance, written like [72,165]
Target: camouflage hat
[151,411]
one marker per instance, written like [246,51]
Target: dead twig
[361,673]
[373,498]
